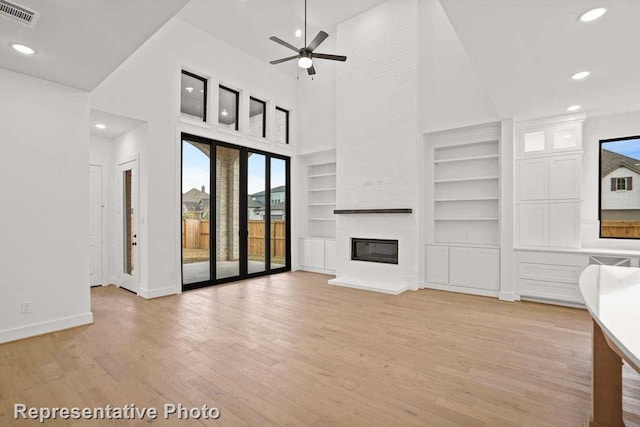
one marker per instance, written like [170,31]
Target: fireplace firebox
[374,250]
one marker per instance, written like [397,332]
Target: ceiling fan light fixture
[305,62]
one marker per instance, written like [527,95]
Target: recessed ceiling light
[573,108]
[188,89]
[581,75]
[23,49]
[101,126]
[593,14]
[298,33]
[224,112]
[201,90]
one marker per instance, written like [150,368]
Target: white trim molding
[42,328]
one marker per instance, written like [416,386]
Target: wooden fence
[629,229]
[195,235]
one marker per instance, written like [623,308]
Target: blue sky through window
[629,147]
[195,170]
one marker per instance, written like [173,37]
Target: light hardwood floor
[291,350]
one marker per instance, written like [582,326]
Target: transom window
[228,107]
[257,117]
[193,96]
[281,131]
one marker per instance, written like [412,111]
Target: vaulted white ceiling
[80,42]
[525,51]
[247,25]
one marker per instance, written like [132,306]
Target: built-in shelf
[466,159]
[372,211]
[471,178]
[469,199]
[312,190]
[321,197]
[320,175]
[466,219]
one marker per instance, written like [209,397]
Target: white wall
[451,93]
[596,129]
[44,222]
[377,129]
[147,87]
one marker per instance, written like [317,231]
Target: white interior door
[96,225]
[128,183]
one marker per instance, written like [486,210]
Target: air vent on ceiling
[18,13]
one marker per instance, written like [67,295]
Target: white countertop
[612,296]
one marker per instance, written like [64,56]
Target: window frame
[600,186]
[284,110]
[237,93]
[206,92]
[264,115]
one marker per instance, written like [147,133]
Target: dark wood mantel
[372,211]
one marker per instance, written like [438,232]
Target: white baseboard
[366,287]
[553,302]
[157,293]
[45,327]
[508,296]
[461,289]
[317,270]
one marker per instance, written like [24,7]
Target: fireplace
[374,250]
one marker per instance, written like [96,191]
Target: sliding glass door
[243,231]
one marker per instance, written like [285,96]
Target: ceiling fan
[306,55]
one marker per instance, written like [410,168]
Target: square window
[619,195]
[257,115]
[281,131]
[193,96]
[228,108]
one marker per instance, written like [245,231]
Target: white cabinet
[437,264]
[487,269]
[554,225]
[564,176]
[317,254]
[548,188]
[555,178]
[458,268]
[461,267]
[330,255]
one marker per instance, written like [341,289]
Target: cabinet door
[487,269]
[312,253]
[533,179]
[437,264]
[330,254]
[564,225]
[564,177]
[533,142]
[461,267]
[532,224]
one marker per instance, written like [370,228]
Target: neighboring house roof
[275,207]
[254,204]
[612,161]
[191,206]
[280,189]
[194,195]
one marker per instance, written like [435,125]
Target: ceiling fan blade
[311,71]
[280,61]
[322,36]
[330,57]
[284,43]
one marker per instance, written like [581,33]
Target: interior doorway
[235,212]
[96,225]
[128,184]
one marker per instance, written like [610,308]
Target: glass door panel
[227,212]
[256,213]
[196,178]
[278,213]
